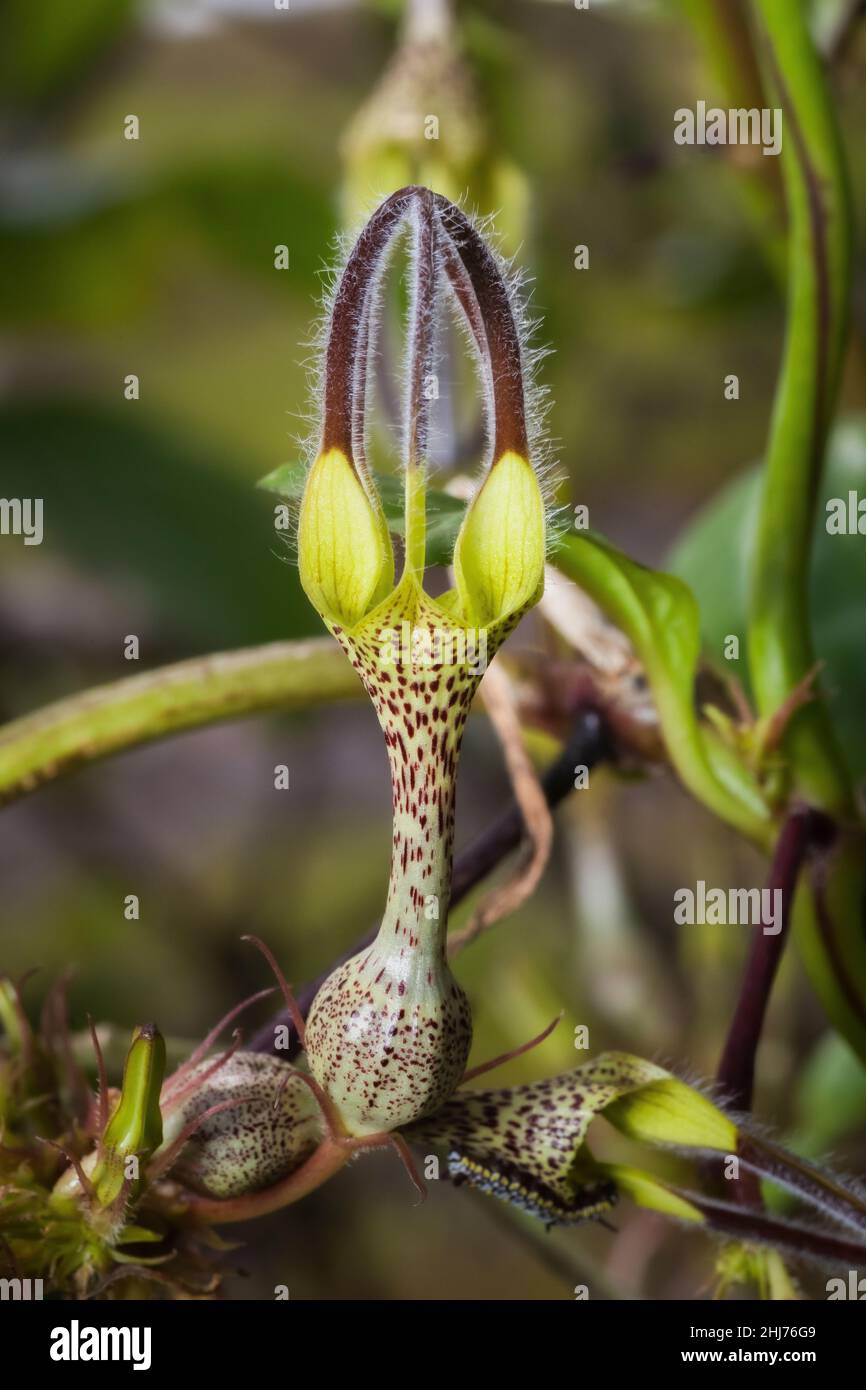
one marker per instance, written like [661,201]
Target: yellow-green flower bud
[422,123]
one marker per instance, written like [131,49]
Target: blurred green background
[156,257]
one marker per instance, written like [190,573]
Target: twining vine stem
[803,830]
[84,728]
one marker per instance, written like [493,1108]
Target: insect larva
[509,1184]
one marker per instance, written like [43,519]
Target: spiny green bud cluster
[97,1188]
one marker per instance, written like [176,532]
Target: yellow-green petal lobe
[499,555]
[667,1111]
[344,554]
[648,1191]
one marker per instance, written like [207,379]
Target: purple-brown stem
[756,1227]
[803,829]
[821,1190]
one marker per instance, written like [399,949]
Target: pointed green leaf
[659,615]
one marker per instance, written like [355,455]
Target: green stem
[190,694]
[781,654]
[724,32]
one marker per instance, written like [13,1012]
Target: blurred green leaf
[141,504]
[830,1099]
[714,554]
[44,45]
[78,269]
[245,209]
[84,256]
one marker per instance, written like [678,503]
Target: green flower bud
[134,1129]
[395,138]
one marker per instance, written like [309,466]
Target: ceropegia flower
[389,1032]
[227,1138]
[528,1145]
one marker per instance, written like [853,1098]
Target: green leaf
[157,512]
[830,1097]
[659,615]
[714,557]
